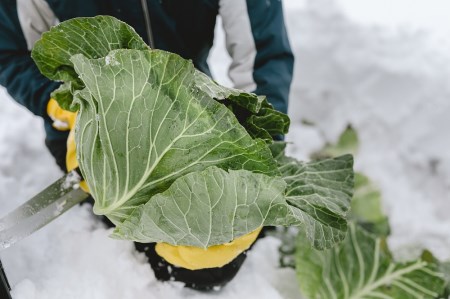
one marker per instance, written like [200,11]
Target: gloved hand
[189,257]
[195,258]
[64,120]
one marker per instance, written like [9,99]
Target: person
[256,39]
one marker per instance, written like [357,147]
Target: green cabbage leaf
[362,267]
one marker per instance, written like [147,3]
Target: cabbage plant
[171,156]
[362,266]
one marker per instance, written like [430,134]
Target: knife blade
[49,204]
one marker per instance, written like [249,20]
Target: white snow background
[387,76]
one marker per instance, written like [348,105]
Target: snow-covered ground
[391,85]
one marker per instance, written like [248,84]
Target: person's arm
[24,82]
[18,72]
[257,42]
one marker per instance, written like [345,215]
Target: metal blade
[41,209]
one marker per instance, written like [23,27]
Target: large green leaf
[208,208]
[94,37]
[321,191]
[64,96]
[360,268]
[214,206]
[249,101]
[143,123]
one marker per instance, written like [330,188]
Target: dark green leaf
[254,112]
[321,191]
[92,37]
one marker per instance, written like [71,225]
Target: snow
[392,86]
[429,15]
[111,60]
[389,82]
[72,181]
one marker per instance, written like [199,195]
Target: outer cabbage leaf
[249,101]
[321,191]
[254,112]
[64,96]
[94,37]
[314,195]
[361,267]
[143,123]
[208,208]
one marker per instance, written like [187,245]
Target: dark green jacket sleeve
[257,41]
[18,73]
[274,61]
